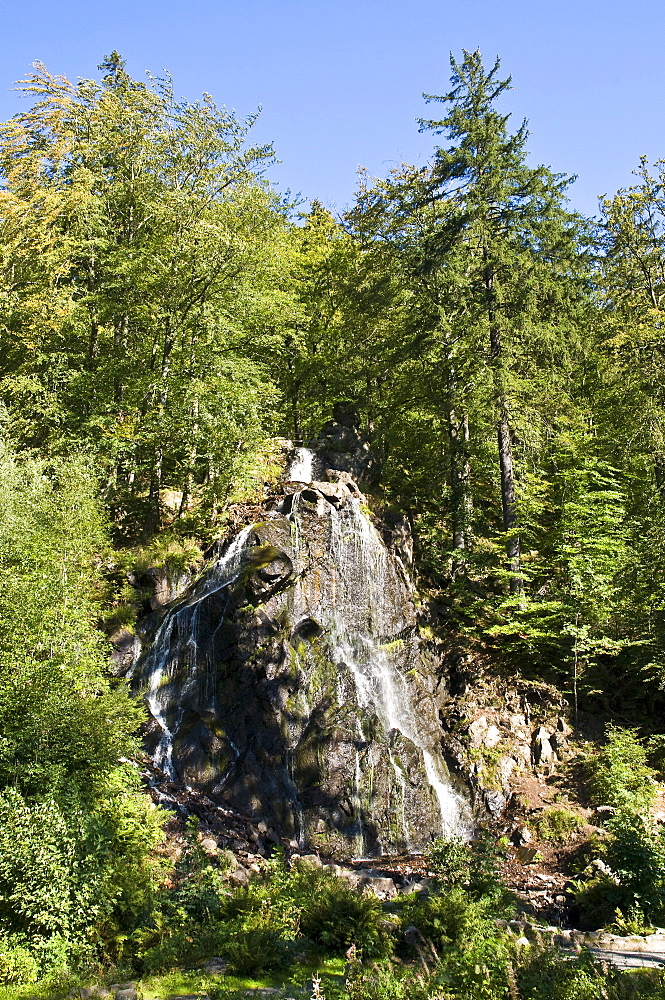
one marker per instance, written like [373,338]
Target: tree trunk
[154,495]
[458,436]
[508,503]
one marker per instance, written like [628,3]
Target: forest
[166,316]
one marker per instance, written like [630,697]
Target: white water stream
[166,655]
[362,618]
[302,467]
[359,604]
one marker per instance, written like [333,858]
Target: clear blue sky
[340,82]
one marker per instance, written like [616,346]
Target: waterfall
[363,622]
[176,641]
[288,682]
[303,466]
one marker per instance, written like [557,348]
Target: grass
[193,981]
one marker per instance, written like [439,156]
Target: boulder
[239,877]
[477,730]
[491,737]
[542,750]
[308,861]
[381,887]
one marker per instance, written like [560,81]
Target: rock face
[287,682]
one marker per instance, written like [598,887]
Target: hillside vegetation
[165,315]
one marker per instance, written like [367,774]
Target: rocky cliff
[287,682]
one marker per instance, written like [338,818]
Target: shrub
[337,917]
[636,855]
[544,975]
[17,965]
[256,947]
[619,773]
[475,865]
[447,918]
[557,824]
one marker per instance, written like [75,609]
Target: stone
[209,845]
[239,877]
[522,836]
[214,966]
[563,727]
[491,737]
[128,994]
[495,801]
[504,771]
[412,936]
[419,887]
[518,725]
[477,731]
[383,888]
[542,750]
[269,723]
[310,861]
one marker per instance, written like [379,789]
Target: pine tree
[521,250]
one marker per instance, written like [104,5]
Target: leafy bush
[77,876]
[447,918]
[543,975]
[17,965]
[475,865]
[636,855]
[619,774]
[255,948]
[337,917]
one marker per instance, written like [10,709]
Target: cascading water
[166,657]
[303,466]
[289,683]
[362,624]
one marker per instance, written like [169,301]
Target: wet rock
[271,675]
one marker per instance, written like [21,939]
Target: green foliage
[619,774]
[17,965]
[335,916]
[474,865]
[557,824]
[543,975]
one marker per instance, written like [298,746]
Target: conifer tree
[520,248]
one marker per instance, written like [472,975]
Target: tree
[137,233]
[521,249]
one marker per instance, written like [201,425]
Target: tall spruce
[520,247]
